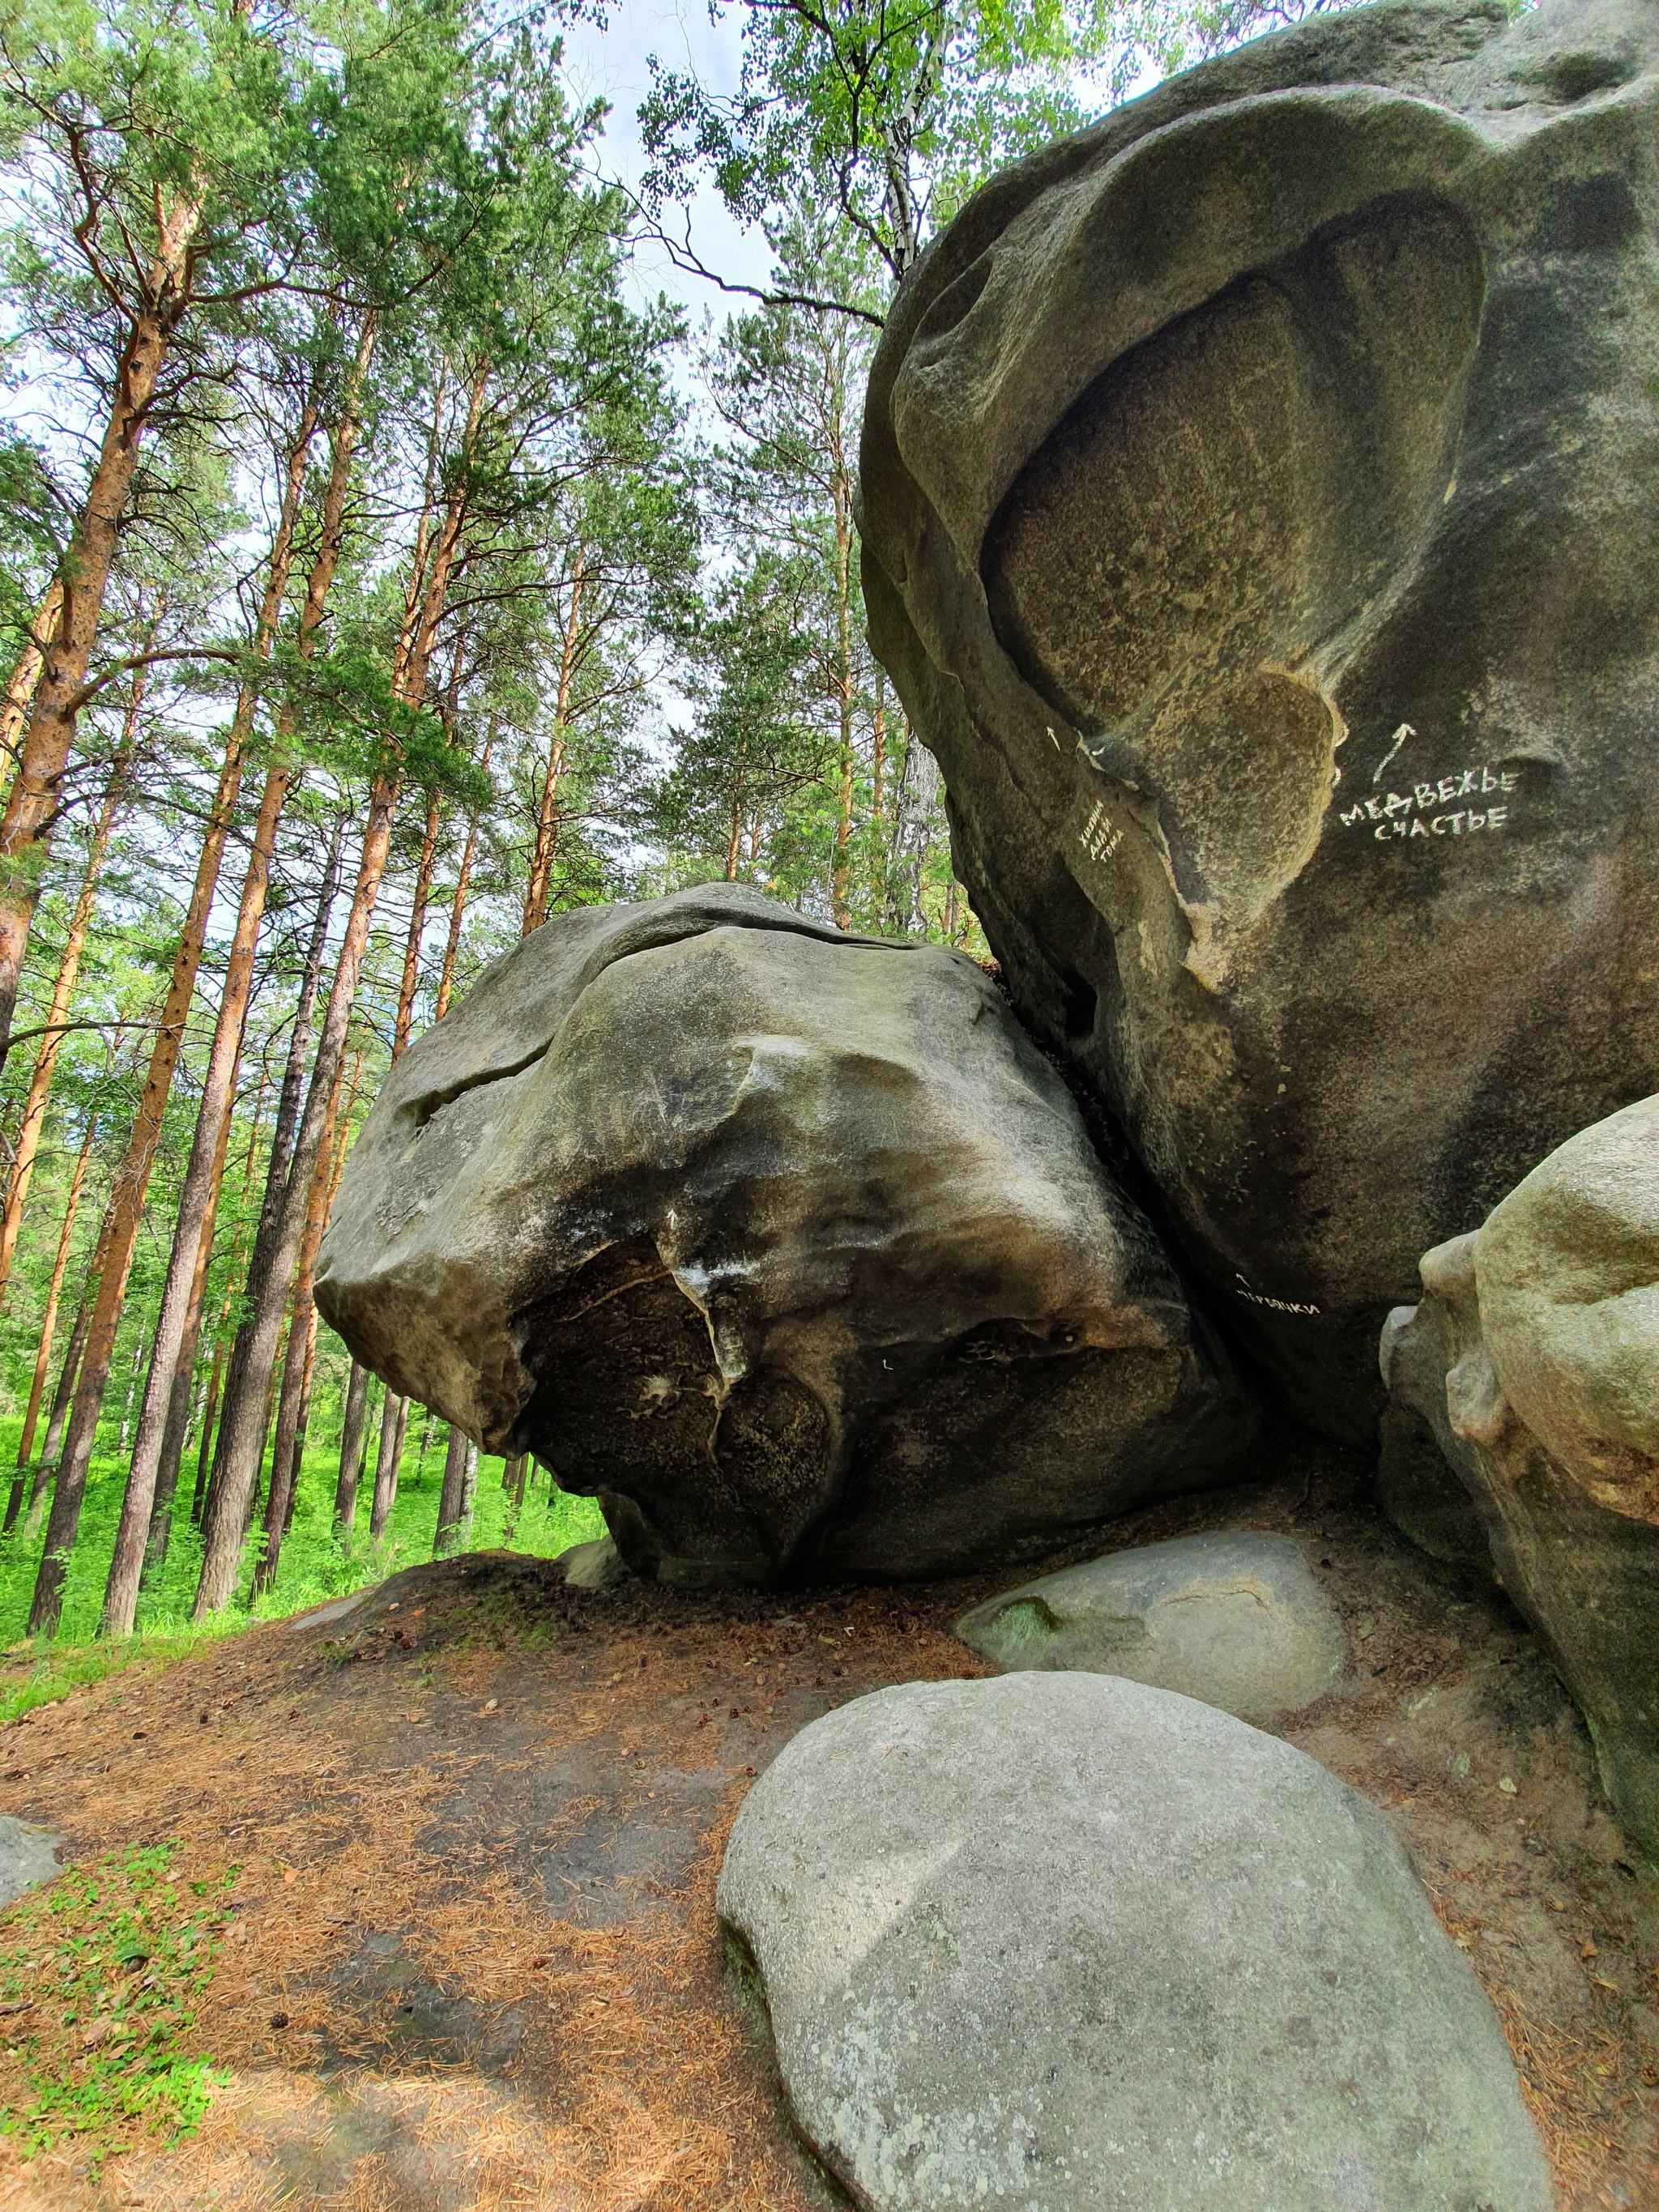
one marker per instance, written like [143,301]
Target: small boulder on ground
[1065,1943]
[593,1565]
[1235,1619]
[28,1856]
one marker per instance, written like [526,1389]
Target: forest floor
[471,1828]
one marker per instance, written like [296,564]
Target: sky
[614,64]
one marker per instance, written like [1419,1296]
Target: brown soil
[479,1820]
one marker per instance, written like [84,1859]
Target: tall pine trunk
[353,1426]
[176,1431]
[199,1198]
[452,1497]
[547,814]
[515,1475]
[878,793]
[155,1461]
[314,1226]
[243,1426]
[734,844]
[193,1225]
[394,1421]
[411,974]
[203,1457]
[26,675]
[205,1444]
[33,803]
[918,794]
[132,1184]
[62,1398]
[458,904]
[303,1418]
[284,1137]
[49,1324]
[842,865]
[301,1339]
[69,969]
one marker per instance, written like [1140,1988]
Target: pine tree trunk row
[268,1373]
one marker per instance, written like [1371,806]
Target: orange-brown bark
[458,904]
[43,755]
[547,816]
[49,1321]
[193,1226]
[69,969]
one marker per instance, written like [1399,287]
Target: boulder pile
[1258,523]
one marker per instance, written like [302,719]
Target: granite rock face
[1234,1619]
[1257,495]
[788,1246]
[1530,1368]
[1065,1943]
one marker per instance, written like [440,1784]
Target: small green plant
[101,1973]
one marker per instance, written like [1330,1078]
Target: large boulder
[1233,1617]
[1065,1943]
[1530,1369]
[788,1246]
[1259,526]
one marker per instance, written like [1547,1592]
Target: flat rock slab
[1053,1941]
[325,1616]
[1237,1620]
[29,1854]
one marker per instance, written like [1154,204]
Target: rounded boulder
[1055,1941]
[1234,1617]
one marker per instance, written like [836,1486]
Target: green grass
[315,1566]
[105,1968]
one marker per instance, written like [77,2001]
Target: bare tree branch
[685,260]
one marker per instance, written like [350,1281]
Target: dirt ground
[474,1963]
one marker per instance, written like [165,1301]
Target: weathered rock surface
[1259,526]
[1056,1942]
[1235,1619]
[1531,1368]
[1567,1268]
[788,1246]
[28,1856]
